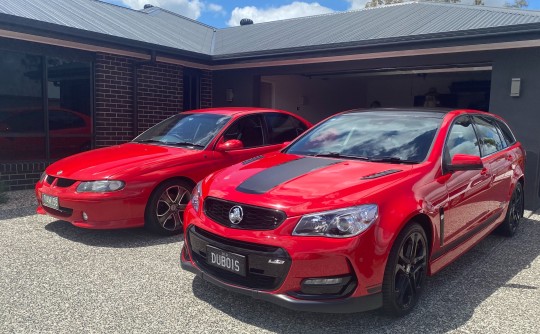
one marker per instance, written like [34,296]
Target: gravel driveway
[58,278]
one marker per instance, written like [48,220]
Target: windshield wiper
[167,142]
[147,141]
[338,155]
[394,160]
[181,143]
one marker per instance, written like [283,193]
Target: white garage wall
[318,97]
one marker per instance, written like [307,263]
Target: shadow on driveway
[449,300]
[120,238]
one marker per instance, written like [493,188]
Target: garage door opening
[316,96]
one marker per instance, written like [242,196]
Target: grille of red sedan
[254,218]
[261,273]
[61,183]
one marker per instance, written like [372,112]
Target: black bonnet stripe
[274,176]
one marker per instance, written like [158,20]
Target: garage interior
[316,96]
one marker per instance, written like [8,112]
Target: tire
[516,206]
[405,272]
[164,213]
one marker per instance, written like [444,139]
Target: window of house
[45,107]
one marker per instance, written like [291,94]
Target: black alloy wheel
[516,207]
[164,212]
[406,271]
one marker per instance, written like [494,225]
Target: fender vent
[381,174]
[250,160]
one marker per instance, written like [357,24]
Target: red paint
[468,197]
[142,167]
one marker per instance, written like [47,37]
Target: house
[81,74]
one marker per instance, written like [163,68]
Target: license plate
[50,201]
[232,262]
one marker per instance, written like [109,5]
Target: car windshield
[187,130]
[375,136]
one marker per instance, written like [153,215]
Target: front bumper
[104,211]
[281,283]
[346,305]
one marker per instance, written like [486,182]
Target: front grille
[260,274]
[64,183]
[61,183]
[64,212]
[254,218]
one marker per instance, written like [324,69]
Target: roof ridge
[508,10]
[154,8]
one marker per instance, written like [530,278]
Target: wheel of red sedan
[405,271]
[514,213]
[165,209]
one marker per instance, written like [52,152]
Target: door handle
[484,171]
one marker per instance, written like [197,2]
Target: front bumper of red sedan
[278,272]
[120,209]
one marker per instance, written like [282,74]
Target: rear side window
[490,141]
[282,128]
[506,132]
[462,139]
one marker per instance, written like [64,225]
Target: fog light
[337,286]
[323,281]
[84,216]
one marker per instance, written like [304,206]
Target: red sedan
[356,212]
[148,182]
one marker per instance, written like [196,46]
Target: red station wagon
[148,182]
[356,212]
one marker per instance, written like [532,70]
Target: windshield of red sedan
[374,136]
[189,130]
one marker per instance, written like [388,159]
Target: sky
[227,13]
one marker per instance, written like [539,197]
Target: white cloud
[295,9]
[215,7]
[357,4]
[189,8]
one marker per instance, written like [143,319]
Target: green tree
[517,4]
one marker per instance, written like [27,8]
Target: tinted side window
[59,120]
[490,141]
[506,132]
[282,128]
[462,139]
[247,129]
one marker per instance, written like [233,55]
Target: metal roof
[399,21]
[153,25]
[380,25]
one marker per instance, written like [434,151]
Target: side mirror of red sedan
[230,145]
[465,162]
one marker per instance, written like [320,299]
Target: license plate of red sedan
[232,262]
[50,201]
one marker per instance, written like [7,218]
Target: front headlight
[196,197]
[340,223]
[100,186]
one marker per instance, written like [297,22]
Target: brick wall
[114,100]
[160,93]
[21,175]
[206,89]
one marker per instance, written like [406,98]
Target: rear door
[498,158]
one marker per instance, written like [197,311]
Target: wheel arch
[157,185]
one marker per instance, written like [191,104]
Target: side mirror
[230,145]
[465,162]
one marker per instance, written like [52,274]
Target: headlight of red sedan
[100,186]
[342,223]
[196,197]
